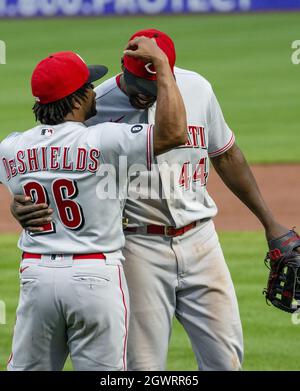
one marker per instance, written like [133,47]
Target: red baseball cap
[61,74]
[142,75]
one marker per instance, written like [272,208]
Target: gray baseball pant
[185,276]
[78,307]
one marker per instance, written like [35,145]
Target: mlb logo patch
[48,132]
[56,257]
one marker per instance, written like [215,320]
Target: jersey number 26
[64,191]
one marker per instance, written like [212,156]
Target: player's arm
[231,165]
[30,216]
[170,117]
[235,172]
[169,130]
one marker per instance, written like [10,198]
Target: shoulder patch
[136,128]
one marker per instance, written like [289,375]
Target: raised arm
[169,129]
[170,117]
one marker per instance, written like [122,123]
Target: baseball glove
[283,261]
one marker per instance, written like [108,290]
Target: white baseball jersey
[66,166]
[178,184]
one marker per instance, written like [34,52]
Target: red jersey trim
[125,320]
[224,149]
[118,77]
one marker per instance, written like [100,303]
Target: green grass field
[271,339]
[247,58]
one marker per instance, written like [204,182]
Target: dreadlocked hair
[54,113]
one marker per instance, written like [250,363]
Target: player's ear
[77,104]
[122,64]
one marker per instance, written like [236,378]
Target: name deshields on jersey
[52,158]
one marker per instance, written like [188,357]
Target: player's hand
[145,49]
[276,230]
[30,216]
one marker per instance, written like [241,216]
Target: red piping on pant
[126,313]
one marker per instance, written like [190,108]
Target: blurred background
[247,49]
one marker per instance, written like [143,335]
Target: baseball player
[74,296]
[174,262]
